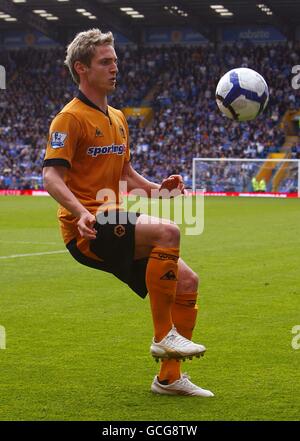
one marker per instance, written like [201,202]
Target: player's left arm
[135,181]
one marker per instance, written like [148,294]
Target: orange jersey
[93,146]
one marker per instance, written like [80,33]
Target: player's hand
[86,226]
[173,182]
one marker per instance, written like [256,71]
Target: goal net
[253,177]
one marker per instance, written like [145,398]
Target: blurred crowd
[177,82]
[187,122]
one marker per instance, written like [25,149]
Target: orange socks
[161,281]
[184,314]
[169,371]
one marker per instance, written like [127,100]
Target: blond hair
[83,48]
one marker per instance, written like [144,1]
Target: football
[242,94]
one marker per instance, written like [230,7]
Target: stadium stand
[186,122]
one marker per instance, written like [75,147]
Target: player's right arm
[55,185]
[65,131]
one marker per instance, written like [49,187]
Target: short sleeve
[64,134]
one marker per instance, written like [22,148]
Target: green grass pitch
[77,340]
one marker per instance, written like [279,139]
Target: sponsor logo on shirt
[113,149]
[58,140]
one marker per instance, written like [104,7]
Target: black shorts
[115,245]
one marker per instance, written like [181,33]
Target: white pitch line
[13,256]
[29,243]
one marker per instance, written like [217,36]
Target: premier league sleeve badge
[58,140]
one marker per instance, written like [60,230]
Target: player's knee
[169,235]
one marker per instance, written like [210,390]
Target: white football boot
[183,386]
[174,345]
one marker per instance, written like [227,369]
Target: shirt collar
[88,102]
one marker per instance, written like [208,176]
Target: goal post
[247,177]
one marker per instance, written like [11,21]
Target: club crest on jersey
[98,132]
[122,131]
[58,140]
[114,149]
